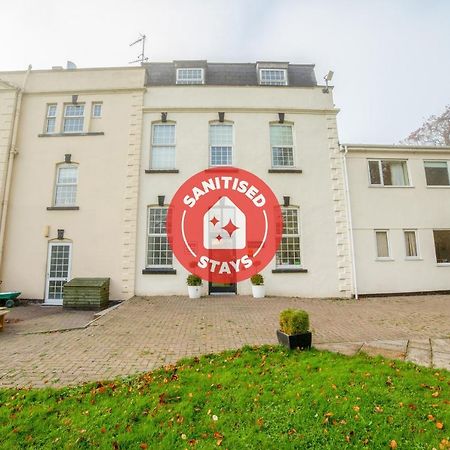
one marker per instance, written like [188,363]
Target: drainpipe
[12,152]
[349,219]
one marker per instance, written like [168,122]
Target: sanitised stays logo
[224,224]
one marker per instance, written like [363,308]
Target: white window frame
[438,186]
[149,235]
[440,264]
[388,237]
[380,172]
[272,83]
[49,117]
[66,117]
[94,105]
[190,81]
[153,145]
[58,184]
[294,165]
[286,235]
[416,237]
[215,124]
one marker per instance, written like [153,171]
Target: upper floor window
[66,185]
[96,110]
[159,253]
[50,123]
[190,76]
[220,144]
[436,173]
[73,118]
[388,172]
[273,77]
[288,253]
[163,146]
[282,144]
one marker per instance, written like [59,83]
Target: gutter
[344,150]
[11,157]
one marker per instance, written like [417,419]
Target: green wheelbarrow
[8,298]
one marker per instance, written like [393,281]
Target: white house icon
[224,226]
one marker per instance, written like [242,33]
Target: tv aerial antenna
[141,58]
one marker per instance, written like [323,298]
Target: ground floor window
[159,253]
[382,241]
[442,246]
[288,254]
[411,244]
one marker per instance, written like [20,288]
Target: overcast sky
[390,57]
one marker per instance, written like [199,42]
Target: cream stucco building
[271,119]
[90,159]
[69,176]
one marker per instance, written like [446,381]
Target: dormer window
[190,76]
[273,77]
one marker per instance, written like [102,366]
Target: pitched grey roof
[228,74]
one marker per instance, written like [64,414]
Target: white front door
[58,271]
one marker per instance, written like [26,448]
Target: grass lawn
[265,398]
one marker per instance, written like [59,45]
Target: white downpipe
[11,157]
[349,221]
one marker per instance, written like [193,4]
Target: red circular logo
[224,224]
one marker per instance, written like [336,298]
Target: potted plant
[194,283]
[258,289]
[294,329]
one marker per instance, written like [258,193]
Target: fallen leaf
[219,442]
[356,408]
[143,445]
[435,394]
[393,444]
[378,409]
[439,425]
[103,430]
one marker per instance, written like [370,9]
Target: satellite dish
[71,65]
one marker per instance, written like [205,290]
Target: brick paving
[145,333]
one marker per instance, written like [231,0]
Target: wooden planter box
[86,293]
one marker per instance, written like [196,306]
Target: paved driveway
[144,333]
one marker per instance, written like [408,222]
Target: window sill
[289,270]
[443,264]
[384,259]
[413,259]
[444,186]
[90,133]
[162,171]
[285,170]
[378,186]
[159,271]
[224,168]
[63,208]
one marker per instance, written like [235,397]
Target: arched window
[66,185]
[220,144]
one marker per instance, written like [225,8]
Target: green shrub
[193,280]
[257,279]
[294,321]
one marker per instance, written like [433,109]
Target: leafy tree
[434,131]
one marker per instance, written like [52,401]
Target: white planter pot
[258,291]
[195,291]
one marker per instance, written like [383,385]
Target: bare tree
[434,131]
